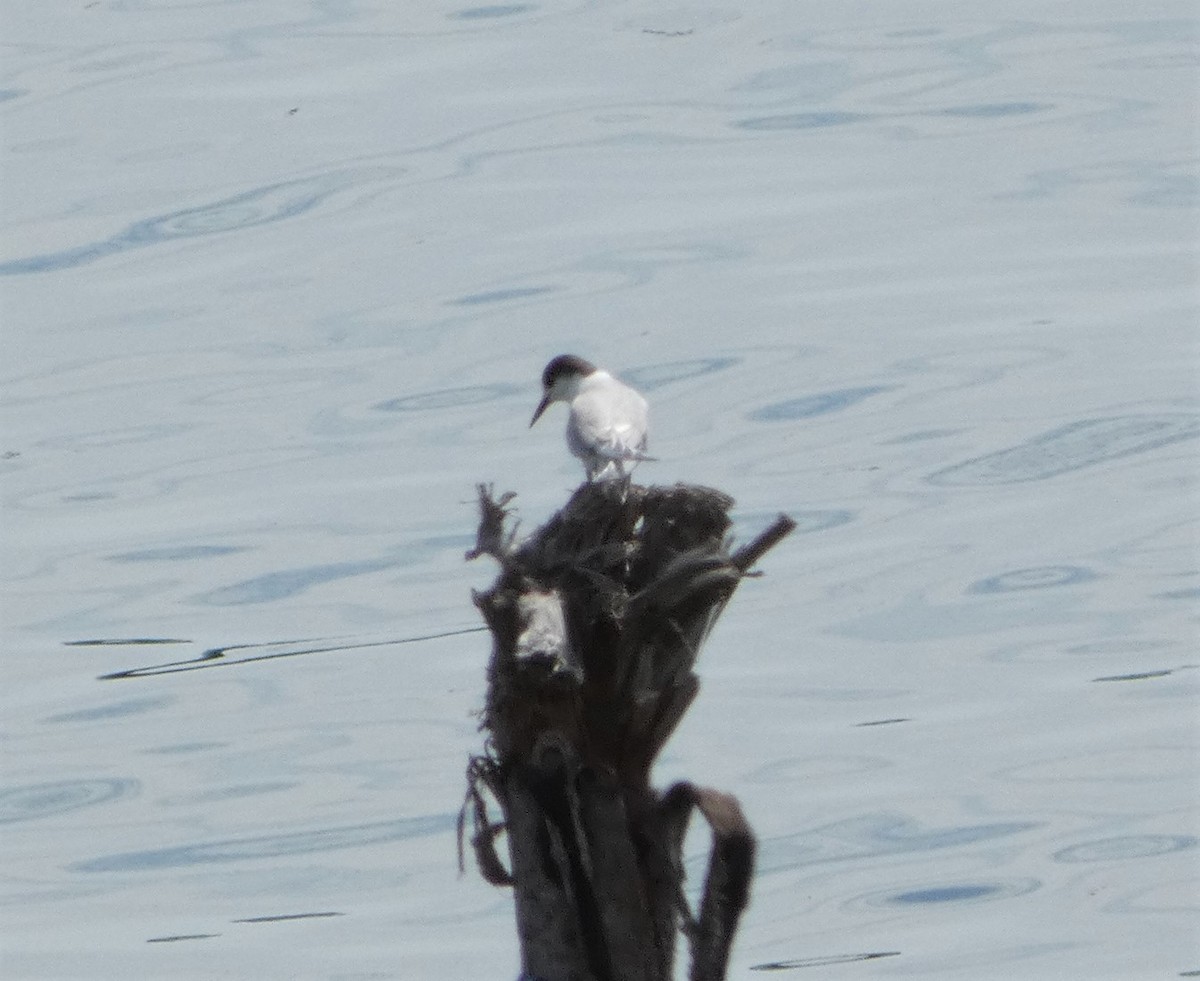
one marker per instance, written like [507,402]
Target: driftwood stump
[597,620]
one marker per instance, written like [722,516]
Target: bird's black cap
[565,364]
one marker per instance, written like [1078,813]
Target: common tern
[607,425]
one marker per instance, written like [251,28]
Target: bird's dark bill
[540,409]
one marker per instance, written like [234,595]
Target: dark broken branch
[746,556]
[492,538]
[597,621]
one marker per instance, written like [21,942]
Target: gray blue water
[278,281]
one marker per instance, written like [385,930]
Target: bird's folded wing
[609,424]
[621,443]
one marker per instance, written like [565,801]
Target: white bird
[608,422]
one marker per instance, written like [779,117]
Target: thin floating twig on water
[215,657]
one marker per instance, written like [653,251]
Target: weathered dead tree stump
[597,620]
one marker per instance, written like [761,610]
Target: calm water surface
[278,280]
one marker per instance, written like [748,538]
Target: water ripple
[825,961]
[1041,577]
[502,296]
[802,770]
[649,377]
[114,710]
[808,522]
[1072,447]
[41,800]
[492,11]
[123,436]
[830,118]
[992,110]
[179,553]
[1121,849]
[261,206]
[813,82]
[803,120]
[939,893]
[817,405]
[1138,766]
[222,794]
[1147,184]
[447,398]
[289,582]
[919,436]
[875,835]
[269,846]
[1179,594]
[751,523]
